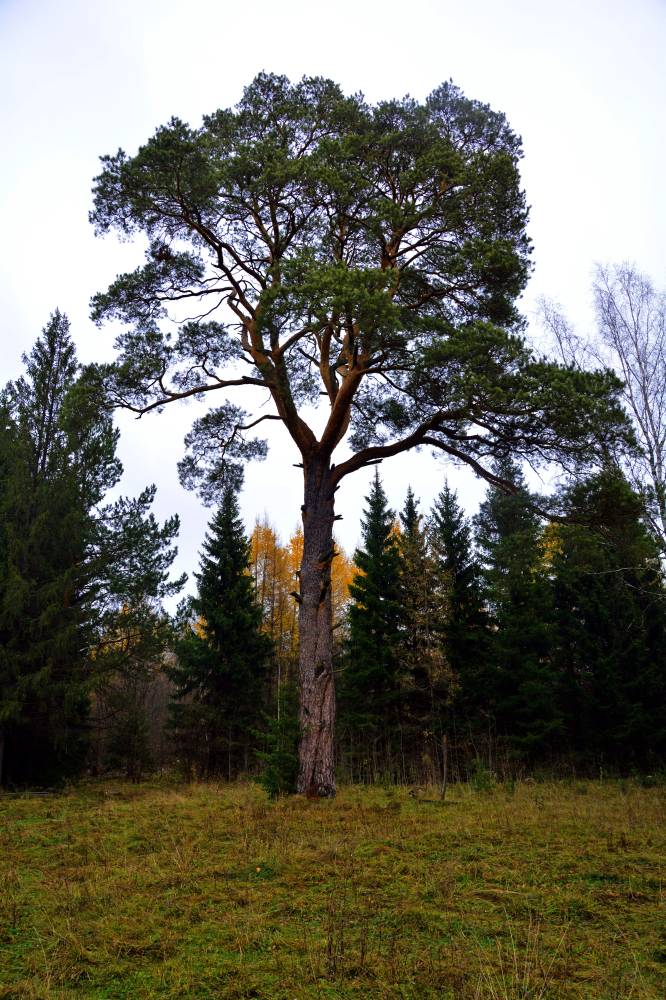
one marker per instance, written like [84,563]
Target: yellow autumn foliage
[275,567]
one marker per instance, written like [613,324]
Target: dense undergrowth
[550,890]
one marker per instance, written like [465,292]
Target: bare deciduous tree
[631,338]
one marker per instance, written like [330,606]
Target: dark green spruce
[70,564]
[609,645]
[222,656]
[464,625]
[522,685]
[370,686]
[427,679]
[62,463]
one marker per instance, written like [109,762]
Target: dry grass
[537,891]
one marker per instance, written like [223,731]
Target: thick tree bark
[316,773]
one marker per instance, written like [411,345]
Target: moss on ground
[550,890]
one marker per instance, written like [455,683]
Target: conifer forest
[505,640]
[348,273]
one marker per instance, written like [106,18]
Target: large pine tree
[222,656]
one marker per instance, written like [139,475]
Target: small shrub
[481,778]
[656,779]
[280,758]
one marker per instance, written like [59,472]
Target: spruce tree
[427,678]
[370,689]
[7,694]
[464,626]
[62,462]
[610,626]
[70,564]
[522,686]
[222,657]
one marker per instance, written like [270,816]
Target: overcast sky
[582,81]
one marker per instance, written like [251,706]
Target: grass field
[532,891]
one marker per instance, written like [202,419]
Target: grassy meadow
[551,890]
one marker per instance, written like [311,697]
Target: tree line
[523,641]
[526,643]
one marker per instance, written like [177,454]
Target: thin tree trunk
[445,765]
[316,774]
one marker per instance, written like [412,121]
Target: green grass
[533,891]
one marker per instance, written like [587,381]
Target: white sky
[582,81]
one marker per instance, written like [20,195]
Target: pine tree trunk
[316,772]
